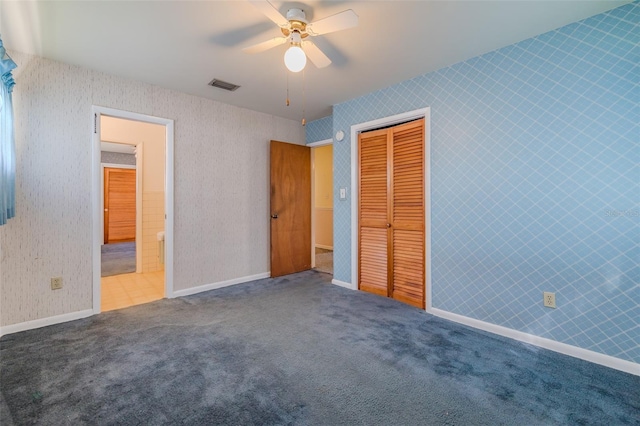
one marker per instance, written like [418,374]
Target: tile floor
[121,291]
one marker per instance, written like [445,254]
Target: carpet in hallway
[118,258]
[324,260]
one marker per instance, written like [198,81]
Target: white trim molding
[220,284]
[44,322]
[384,122]
[139,233]
[118,166]
[343,284]
[322,246]
[320,143]
[58,319]
[542,342]
[96,112]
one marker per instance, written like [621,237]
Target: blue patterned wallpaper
[535,182]
[319,130]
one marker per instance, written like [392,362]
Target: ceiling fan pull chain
[286,71]
[304,100]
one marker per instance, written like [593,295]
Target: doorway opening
[322,205]
[133,209]
[119,188]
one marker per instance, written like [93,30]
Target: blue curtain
[7,143]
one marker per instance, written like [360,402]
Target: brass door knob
[274,216]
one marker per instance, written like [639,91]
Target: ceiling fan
[296,30]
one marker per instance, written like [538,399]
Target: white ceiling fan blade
[265,45]
[270,12]
[314,54]
[339,21]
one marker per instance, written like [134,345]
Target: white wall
[133,133]
[153,198]
[221,185]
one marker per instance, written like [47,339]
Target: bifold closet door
[373,208]
[407,214]
[391,213]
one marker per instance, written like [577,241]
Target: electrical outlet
[549,299]
[56,283]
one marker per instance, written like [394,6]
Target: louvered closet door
[119,205]
[407,214]
[373,209]
[391,213]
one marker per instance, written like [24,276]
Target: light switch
[343,193]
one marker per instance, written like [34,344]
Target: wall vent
[223,85]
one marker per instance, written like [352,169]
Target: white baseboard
[220,284]
[322,246]
[563,348]
[43,322]
[343,284]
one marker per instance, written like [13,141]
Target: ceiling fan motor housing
[297,15]
[297,23]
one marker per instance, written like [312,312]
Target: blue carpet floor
[296,350]
[118,258]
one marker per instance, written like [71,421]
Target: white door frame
[96,168]
[312,145]
[139,233]
[384,122]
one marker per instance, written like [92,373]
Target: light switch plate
[343,193]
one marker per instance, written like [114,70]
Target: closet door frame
[383,122]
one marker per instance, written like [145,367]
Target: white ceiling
[182,45]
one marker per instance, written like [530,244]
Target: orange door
[407,238]
[119,205]
[290,208]
[373,199]
[391,213]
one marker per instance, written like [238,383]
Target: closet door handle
[388,225]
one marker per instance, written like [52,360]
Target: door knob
[274,216]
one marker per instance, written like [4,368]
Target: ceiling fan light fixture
[295,27]
[295,59]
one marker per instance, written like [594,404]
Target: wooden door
[391,213]
[290,208]
[374,230]
[407,239]
[119,205]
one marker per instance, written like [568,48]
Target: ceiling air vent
[223,85]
